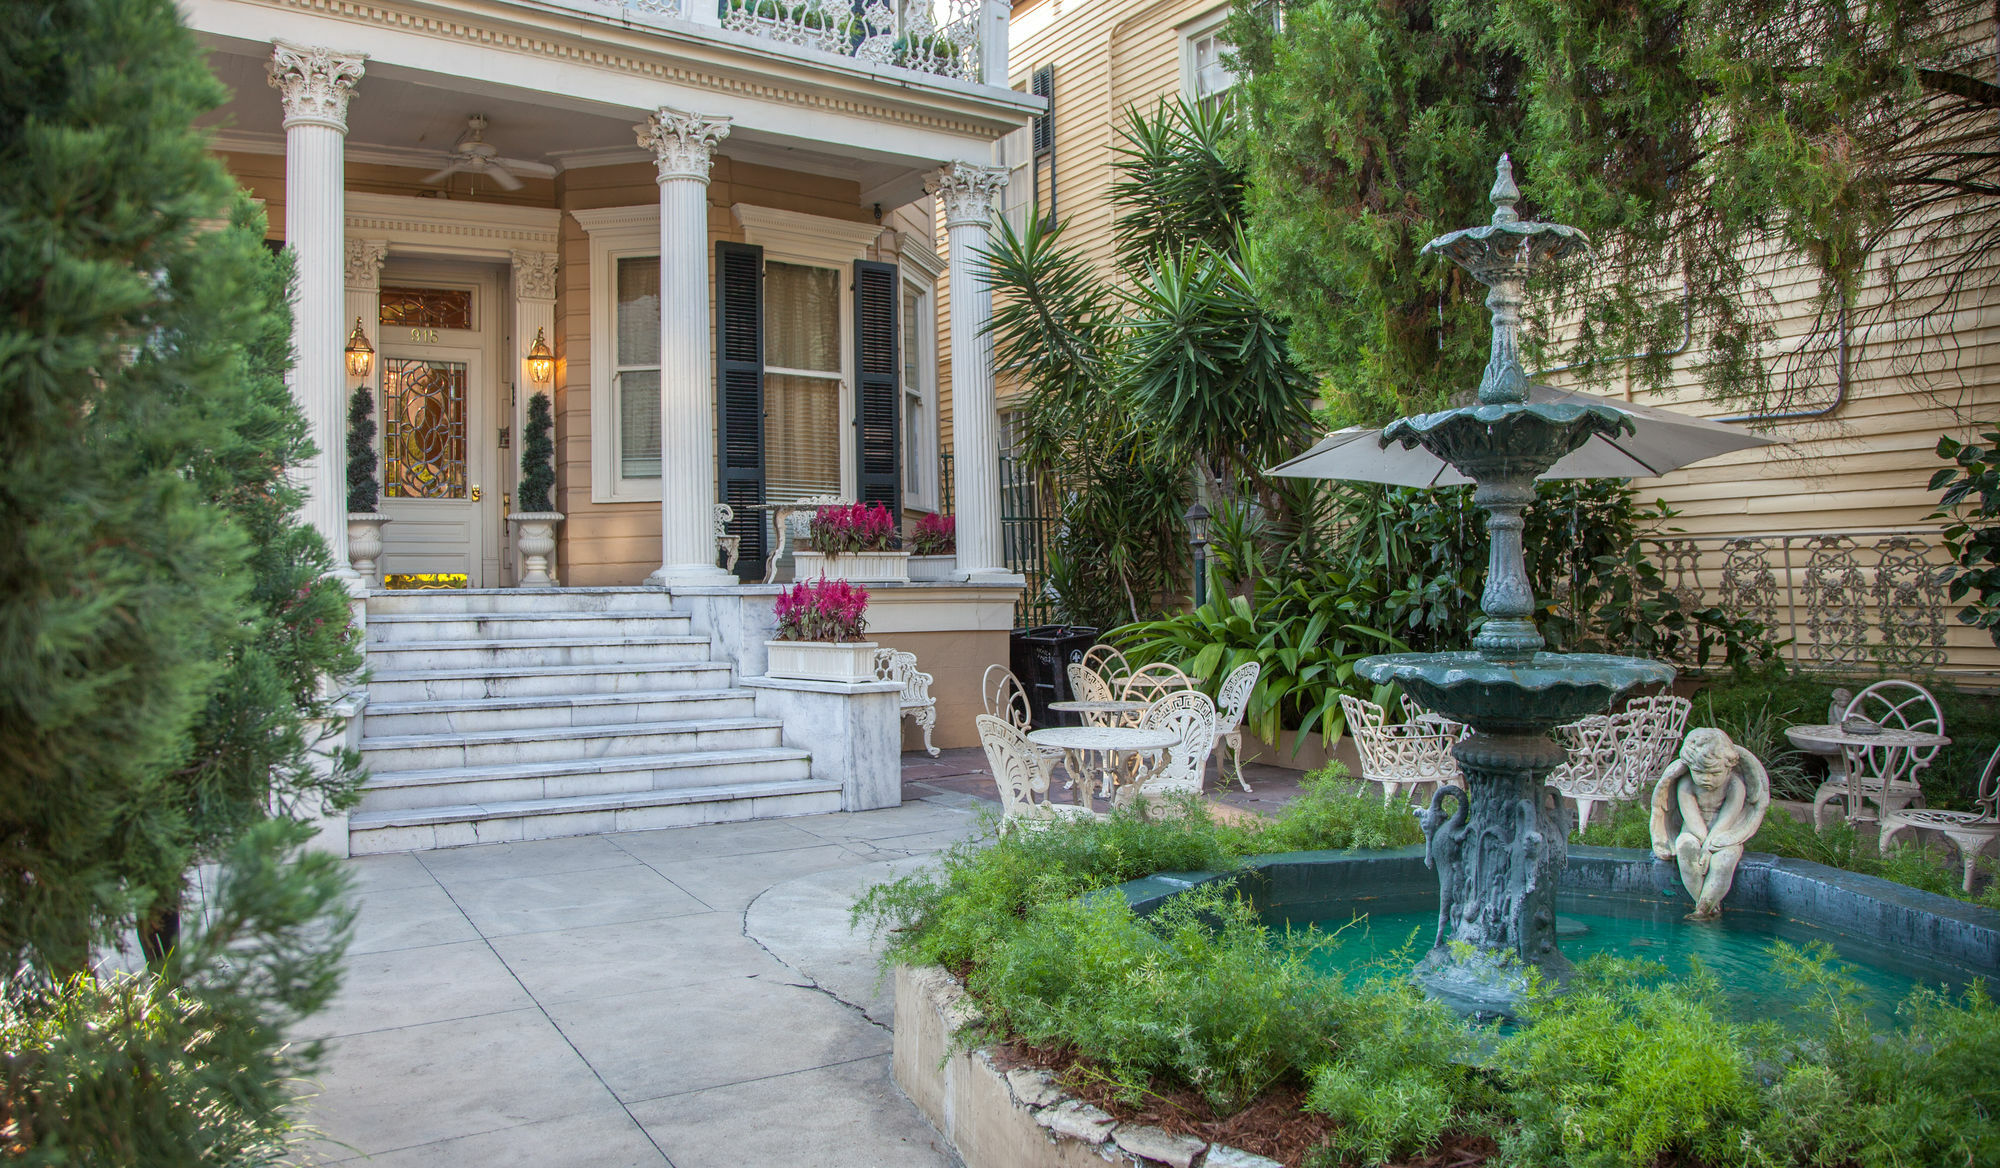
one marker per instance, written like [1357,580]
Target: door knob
[475,492]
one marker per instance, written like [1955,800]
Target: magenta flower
[852,527]
[823,610]
[935,535]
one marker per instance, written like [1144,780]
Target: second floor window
[1204,77]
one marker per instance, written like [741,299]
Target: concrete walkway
[690,997]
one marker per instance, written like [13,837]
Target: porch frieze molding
[364,264]
[587,44]
[968,191]
[314,83]
[493,229]
[535,275]
[683,143]
[797,233]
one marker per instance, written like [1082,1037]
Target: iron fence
[1027,530]
[1855,601]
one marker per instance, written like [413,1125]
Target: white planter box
[933,567]
[821,660]
[859,567]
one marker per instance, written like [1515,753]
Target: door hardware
[475,492]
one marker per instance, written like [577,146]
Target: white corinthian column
[315,83]
[684,143]
[969,194]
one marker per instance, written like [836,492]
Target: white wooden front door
[436,426]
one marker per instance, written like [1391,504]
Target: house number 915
[424,335]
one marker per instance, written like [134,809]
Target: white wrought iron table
[1112,709]
[1120,747]
[1839,744]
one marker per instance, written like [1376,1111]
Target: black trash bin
[1040,657]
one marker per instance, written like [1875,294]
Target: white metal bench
[900,667]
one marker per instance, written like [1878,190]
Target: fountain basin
[1892,933]
[1528,697]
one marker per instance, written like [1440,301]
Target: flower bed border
[1017,1118]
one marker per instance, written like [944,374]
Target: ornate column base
[1499,848]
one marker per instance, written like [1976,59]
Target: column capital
[534,275]
[969,192]
[364,263]
[682,143]
[315,82]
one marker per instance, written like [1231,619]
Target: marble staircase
[501,714]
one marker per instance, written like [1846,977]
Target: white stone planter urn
[535,541]
[821,660]
[933,567]
[860,567]
[364,545]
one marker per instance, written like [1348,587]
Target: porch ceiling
[576,87]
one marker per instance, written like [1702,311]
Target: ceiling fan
[473,154]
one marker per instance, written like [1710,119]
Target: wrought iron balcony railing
[1861,601]
[944,38]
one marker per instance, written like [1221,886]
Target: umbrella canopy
[1661,441]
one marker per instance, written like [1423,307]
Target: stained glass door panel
[423,439]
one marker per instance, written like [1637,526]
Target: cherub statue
[1705,808]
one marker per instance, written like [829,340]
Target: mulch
[1275,1125]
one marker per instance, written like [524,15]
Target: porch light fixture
[1197,524]
[360,354]
[541,360]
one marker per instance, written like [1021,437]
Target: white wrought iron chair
[916,700]
[1087,686]
[1617,757]
[1022,774]
[1231,700]
[1006,698]
[1190,715]
[789,522]
[727,546]
[1397,756]
[1412,712]
[1107,663]
[1886,775]
[1150,683]
[1971,832]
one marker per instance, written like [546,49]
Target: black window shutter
[878,396]
[1043,85]
[739,397]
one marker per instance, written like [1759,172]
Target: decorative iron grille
[1853,602]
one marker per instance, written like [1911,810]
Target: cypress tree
[163,628]
[538,452]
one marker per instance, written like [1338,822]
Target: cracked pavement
[691,997]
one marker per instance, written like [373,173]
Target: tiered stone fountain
[1499,846]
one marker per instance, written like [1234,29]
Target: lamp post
[1197,523]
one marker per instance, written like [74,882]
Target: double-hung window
[624,354]
[1204,77]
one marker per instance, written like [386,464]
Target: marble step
[397,628]
[581,777]
[554,711]
[420,752]
[410,656]
[458,825]
[529,681]
[526,600]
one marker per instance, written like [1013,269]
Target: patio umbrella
[1661,441]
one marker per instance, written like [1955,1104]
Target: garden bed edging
[1018,1118]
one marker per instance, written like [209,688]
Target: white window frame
[1191,32]
[921,268]
[791,237]
[615,233]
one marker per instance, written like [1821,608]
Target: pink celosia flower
[852,527]
[935,535]
[822,610]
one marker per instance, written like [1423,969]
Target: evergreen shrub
[538,454]
[363,488]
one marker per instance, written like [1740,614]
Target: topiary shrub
[363,490]
[538,450]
